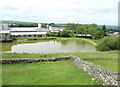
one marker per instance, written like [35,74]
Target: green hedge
[108,43]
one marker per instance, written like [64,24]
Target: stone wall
[99,72]
[31,60]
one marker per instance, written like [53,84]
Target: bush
[50,34]
[65,33]
[108,43]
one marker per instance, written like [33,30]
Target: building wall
[4,27]
[39,25]
[41,35]
[44,35]
[5,36]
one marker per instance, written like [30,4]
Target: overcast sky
[61,11]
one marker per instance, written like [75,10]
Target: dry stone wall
[31,60]
[99,72]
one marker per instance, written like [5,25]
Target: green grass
[95,55]
[108,60]
[57,73]
[47,73]
[111,65]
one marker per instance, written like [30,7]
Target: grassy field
[56,73]
[108,60]
[47,73]
[111,65]
[96,55]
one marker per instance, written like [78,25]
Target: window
[18,35]
[39,35]
[29,35]
[34,35]
[6,34]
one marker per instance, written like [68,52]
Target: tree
[44,25]
[49,34]
[72,34]
[99,34]
[108,43]
[104,30]
[52,24]
[58,34]
[85,31]
[71,26]
[96,32]
[79,30]
[65,33]
[93,25]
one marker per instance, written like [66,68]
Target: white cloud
[60,11]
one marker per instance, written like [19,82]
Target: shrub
[49,34]
[108,43]
[65,33]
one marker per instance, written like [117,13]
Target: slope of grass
[108,60]
[96,55]
[47,73]
[111,65]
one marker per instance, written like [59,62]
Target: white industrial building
[6,33]
[56,29]
[26,32]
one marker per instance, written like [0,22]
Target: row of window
[23,31]
[28,36]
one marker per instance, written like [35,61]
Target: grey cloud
[70,11]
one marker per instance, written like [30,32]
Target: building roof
[23,29]
[58,28]
[54,31]
[5,31]
[29,33]
[42,29]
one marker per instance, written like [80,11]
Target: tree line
[72,29]
[22,24]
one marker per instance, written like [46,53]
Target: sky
[61,11]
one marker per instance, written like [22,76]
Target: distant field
[47,73]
